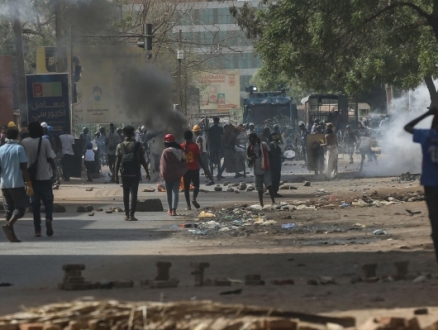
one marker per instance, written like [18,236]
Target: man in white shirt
[42,183]
[365,144]
[67,142]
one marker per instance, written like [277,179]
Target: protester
[266,135]
[129,156]
[332,152]
[303,139]
[112,141]
[275,163]
[251,128]
[201,141]
[194,161]
[240,150]
[315,126]
[350,141]
[215,134]
[276,135]
[258,158]
[228,147]
[428,138]
[84,137]
[365,144]
[67,155]
[172,167]
[13,168]
[89,161]
[39,152]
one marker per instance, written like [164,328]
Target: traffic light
[147,37]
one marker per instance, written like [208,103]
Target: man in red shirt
[193,160]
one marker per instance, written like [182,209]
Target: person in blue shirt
[428,138]
[13,167]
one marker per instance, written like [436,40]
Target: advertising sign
[48,100]
[6,90]
[219,91]
[99,93]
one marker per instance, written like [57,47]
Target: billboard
[6,90]
[98,91]
[48,100]
[219,91]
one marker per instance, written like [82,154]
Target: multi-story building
[209,30]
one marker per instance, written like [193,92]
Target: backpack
[130,165]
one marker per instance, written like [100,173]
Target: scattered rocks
[148,189]
[218,188]
[230,189]
[287,187]
[89,208]
[89,189]
[421,311]
[306,184]
[250,188]
[58,208]
[242,186]
[150,205]
[325,280]
[226,183]
[420,279]
[91,214]
[81,209]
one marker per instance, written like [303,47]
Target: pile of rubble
[87,313]
[407,177]
[202,315]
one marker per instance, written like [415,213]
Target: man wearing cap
[201,141]
[215,135]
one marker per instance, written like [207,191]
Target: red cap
[169,138]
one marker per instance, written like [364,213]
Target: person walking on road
[303,139]
[201,141]
[129,156]
[13,168]
[365,143]
[40,154]
[67,154]
[350,141]
[215,134]
[112,141]
[332,152]
[428,138]
[194,161]
[172,167]
[258,158]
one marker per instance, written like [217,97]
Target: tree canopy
[346,45]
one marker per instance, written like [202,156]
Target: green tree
[346,45]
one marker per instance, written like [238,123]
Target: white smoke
[399,153]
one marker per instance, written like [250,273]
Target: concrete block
[150,205]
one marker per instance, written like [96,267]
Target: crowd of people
[29,162]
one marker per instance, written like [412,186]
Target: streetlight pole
[22,99]
[180,57]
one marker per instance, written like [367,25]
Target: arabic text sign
[48,100]
[219,92]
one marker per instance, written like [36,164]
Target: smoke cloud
[399,153]
[147,92]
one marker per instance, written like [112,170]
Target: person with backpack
[129,156]
[112,141]
[41,159]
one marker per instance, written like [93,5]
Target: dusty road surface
[333,229]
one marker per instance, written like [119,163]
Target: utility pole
[180,56]
[21,73]
[60,58]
